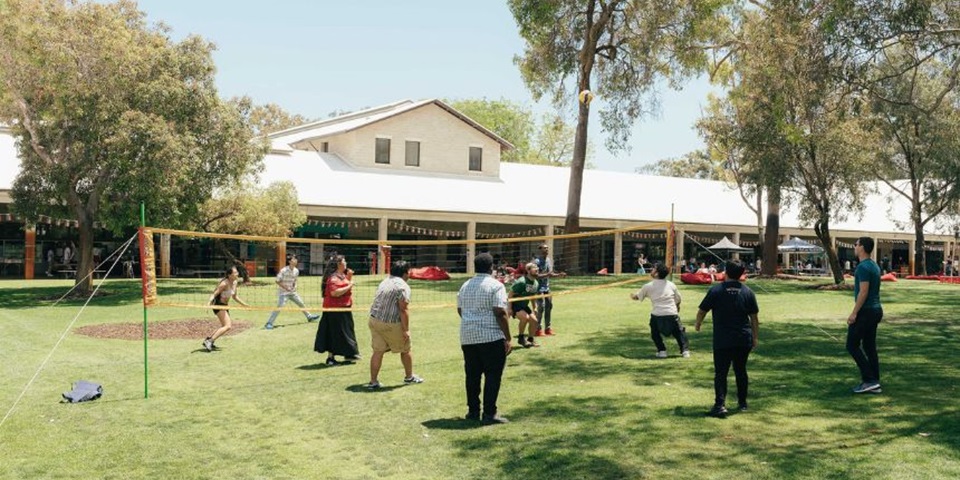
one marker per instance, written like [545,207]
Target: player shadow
[323,365]
[362,388]
[454,423]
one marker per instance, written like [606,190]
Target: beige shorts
[388,337]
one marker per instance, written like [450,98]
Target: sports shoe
[312,317]
[372,385]
[540,333]
[685,354]
[493,420]
[332,362]
[718,411]
[743,407]
[413,379]
[876,390]
[549,332]
[662,354]
[268,326]
[472,416]
[208,344]
[866,387]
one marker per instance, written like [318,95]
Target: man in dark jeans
[735,332]
[863,321]
[484,338]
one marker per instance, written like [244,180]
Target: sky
[316,57]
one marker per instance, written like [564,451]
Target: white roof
[324,179]
[284,140]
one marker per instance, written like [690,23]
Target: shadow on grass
[112,293]
[362,388]
[454,423]
[797,366]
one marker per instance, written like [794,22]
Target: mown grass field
[591,403]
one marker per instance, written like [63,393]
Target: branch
[27,123]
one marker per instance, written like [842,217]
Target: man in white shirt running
[287,290]
[665,316]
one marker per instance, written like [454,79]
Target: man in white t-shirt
[287,290]
[665,316]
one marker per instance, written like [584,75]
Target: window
[383,150]
[413,154]
[325,147]
[476,157]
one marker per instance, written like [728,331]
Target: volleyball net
[182,268]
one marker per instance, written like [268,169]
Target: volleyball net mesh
[182,268]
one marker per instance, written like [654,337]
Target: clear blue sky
[314,57]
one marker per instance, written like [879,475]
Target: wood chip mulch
[190,328]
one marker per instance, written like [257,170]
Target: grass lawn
[591,403]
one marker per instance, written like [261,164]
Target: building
[422,170]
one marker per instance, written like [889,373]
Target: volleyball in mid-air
[585,97]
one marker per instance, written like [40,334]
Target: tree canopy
[109,112]
[618,49]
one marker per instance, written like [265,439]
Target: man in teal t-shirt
[863,321]
[525,286]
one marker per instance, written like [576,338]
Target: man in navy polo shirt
[863,321]
[735,330]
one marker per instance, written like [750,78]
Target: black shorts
[218,302]
[520,307]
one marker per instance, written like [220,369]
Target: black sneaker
[718,411]
[743,407]
[493,420]
[472,416]
[331,362]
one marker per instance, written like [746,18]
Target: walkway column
[29,252]
[165,255]
[471,246]
[913,254]
[786,256]
[736,239]
[618,253]
[876,247]
[681,255]
[281,257]
[383,228]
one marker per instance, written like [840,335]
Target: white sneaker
[686,354]
[662,354]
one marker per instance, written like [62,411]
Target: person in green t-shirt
[866,316]
[525,286]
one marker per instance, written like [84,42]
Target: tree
[801,134]
[507,119]
[695,164]
[109,112]
[915,114]
[548,143]
[268,118]
[247,209]
[618,48]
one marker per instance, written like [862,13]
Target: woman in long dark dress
[335,334]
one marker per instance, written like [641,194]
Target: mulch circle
[190,328]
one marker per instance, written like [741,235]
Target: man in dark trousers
[735,330]
[863,321]
[484,338]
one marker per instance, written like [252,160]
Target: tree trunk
[574,191]
[84,280]
[920,259]
[822,229]
[769,266]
